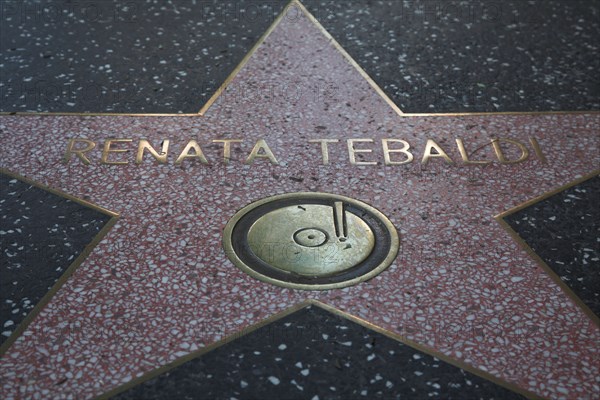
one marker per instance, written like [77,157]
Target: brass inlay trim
[399,338]
[229,244]
[566,289]
[402,114]
[71,268]
[312,302]
[507,113]
[86,114]
[245,60]
[336,45]
[348,57]
[215,345]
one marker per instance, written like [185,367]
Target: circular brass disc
[310,241]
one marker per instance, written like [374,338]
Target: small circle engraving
[310,237]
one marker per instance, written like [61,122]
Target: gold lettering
[145,145]
[427,154]
[81,148]
[107,150]
[500,154]
[79,152]
[538,149]
[352,151]
[465,155]
[185,153]
[403,150]
[261,145]
[227,148]
[324,148]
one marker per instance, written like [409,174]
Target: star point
[460,285]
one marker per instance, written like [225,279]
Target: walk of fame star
[159,286]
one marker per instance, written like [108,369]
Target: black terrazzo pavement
[473,56]
[41,234]
[315,354]
[564,231]
[429,56]
[123,56]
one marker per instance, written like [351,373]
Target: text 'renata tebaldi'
[357,151]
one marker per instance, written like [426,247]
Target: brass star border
[115,216]
[500,218]
[311,302]
[71,268]
[297,4]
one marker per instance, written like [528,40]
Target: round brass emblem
[311,241]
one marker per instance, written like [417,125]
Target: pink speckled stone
[160,286]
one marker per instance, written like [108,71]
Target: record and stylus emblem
[310,241]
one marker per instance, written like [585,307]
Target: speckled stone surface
[314,354]
[40,236]
[429,56]
[123,56]
[159,285]
[563,230]
[467,56]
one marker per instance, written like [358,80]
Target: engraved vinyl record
[311,240]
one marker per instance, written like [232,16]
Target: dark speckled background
[563,230]
[467,56]
[41,234]
[170,56]
[314,354]
[123,56]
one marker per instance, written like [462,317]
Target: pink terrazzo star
[160,285]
